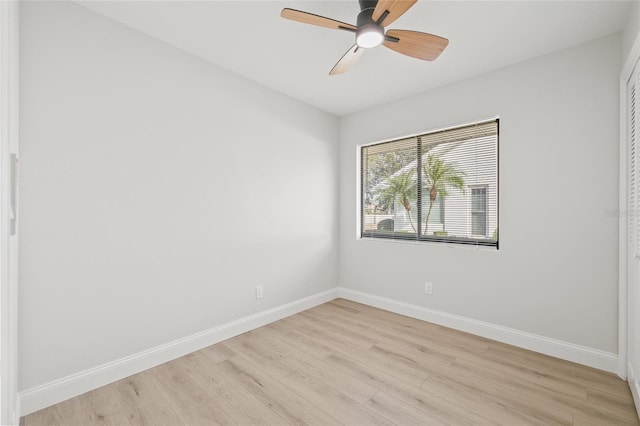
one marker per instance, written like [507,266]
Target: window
[479,211]
[408,184]
[437,211]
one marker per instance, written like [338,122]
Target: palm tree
[437,176]
[400,187]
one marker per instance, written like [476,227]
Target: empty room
[346,212]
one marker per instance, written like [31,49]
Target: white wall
[556,273]
[157,191]
[631,30]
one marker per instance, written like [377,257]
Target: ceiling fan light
[369,36]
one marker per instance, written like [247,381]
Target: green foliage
[437,176]
[401,188]
[385,184]
[379,167]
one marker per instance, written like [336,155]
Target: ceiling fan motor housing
[366,11]
[368,4]
[369,33]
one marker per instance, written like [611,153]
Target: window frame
[485,211]
[419,237]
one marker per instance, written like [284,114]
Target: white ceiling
[250,38]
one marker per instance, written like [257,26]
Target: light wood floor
[347,363]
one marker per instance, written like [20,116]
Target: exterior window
[408,184]
[437,211]
[479,211]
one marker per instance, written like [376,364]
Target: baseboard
[15,416]
[634,385]
[571,352]
[51,393]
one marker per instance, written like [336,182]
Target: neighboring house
[472,214]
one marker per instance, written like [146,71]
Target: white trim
[484,186]
[623,265]
[51,393]
[358,192]
[9,124]
[634,385]
[622,235]
[571,352]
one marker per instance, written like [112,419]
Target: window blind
[389,188]
[440,186]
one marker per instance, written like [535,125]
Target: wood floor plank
[501,407]
[390,326]
[526,375]
[300,340]
[288,404]
[544,396]
[57,415]
[497,383]
[383,357]
[243,407]
[277,360]
[584,419]
[100,407]
[191,402]
[404,366]
[142,404]
[339,405]
[425,358]
[272,343]
[343,306]
[612,407]
[319,334]
[343,362]
[575,373]
[348,385]
[359,325]
[413,340]
[402,412]
[380,317]
[218,353]
[374,316]
[336,325]
[325,325]
[427,345]
[434,406]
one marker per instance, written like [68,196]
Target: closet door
[633,239]
[9,125]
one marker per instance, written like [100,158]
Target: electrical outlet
[259,292]
[428,288]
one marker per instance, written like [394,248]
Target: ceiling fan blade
[415,44]
[394,9]
[347,60]
[310,18]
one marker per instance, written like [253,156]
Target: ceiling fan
[374,16]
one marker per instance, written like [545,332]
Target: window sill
[474,247]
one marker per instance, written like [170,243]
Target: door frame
[624,339]
[9,125]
